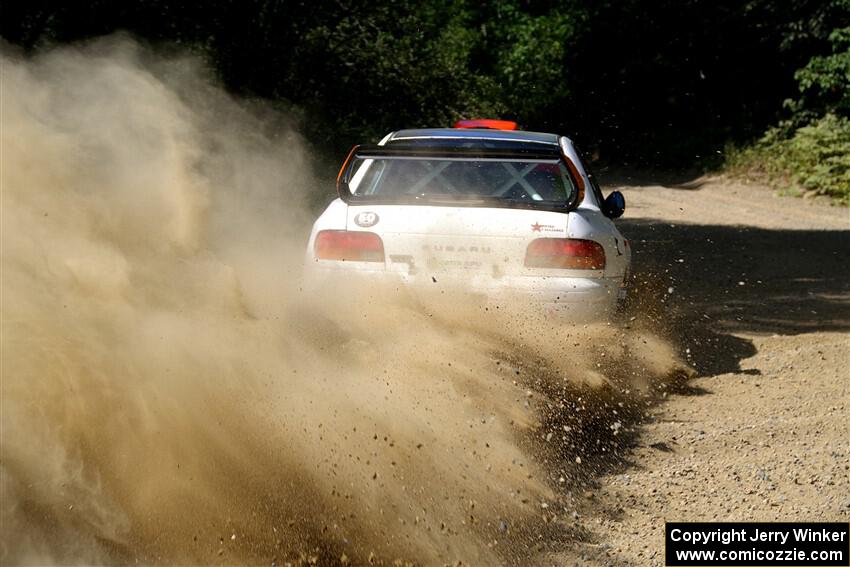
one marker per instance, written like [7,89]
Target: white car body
[481,250]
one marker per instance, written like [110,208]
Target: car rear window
[512,180]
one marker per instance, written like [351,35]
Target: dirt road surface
[758,300]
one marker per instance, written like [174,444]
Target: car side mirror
[614,205]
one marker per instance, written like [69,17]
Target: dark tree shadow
[703,286]
[746,280]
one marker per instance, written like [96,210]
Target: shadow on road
[707,284]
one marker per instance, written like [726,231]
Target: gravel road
[755,291]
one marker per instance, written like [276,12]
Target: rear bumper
[569,298]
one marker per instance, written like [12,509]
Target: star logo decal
[536,227]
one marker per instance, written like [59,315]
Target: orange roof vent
[487,123]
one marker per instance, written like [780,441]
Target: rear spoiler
[367,151]
[376,151]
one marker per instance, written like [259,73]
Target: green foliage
[663,83]
[824,82]
[530,57]
[809,151]
[408,64]
[814,159]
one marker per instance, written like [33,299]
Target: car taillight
[350,246]
[565,253]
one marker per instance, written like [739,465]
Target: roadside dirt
[754,289]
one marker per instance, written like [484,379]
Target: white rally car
[481,209]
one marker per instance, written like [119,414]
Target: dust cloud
[172,394]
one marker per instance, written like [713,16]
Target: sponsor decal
[537,227]
[366,219]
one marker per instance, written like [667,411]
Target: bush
[809,151]
[814,159]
